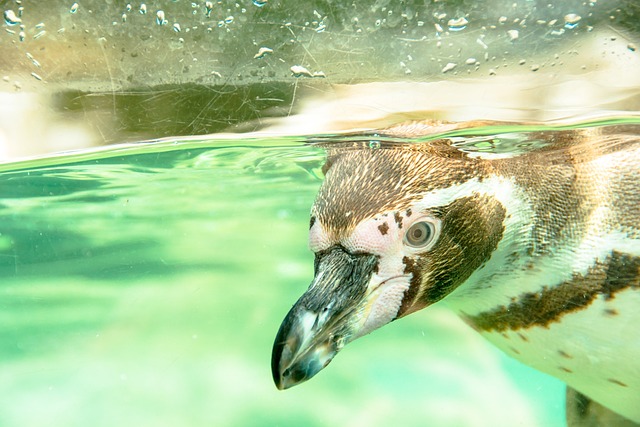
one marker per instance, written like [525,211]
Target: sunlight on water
[143,285]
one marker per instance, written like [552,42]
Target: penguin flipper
[584,412]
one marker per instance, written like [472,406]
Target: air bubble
[74,8]
[457,24]
[571,21]
[300,71]
[160,20]
[450,66]
[33,60]
[262,52]
[10,18]
[374,144]
[482,43]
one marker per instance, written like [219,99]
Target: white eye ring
[422,234]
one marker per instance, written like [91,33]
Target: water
[150,276]
[143,284]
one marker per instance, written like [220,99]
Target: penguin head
[393,230]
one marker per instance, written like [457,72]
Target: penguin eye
[420,234]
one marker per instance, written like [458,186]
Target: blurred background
[143,284]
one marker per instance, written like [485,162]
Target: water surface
[143,285]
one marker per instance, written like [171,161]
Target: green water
[143,286]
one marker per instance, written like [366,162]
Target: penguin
[537,248]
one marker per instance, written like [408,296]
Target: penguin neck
[499,280]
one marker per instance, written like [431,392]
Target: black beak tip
[276,355]
[279,347]
[288,368]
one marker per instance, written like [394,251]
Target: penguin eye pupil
[420,234]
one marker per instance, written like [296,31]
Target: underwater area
[158,165]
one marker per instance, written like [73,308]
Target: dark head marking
[369,182]
[384,227]
[398,218]
[472,227]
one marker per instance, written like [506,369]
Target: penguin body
[538,251]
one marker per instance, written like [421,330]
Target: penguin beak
[325,318]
